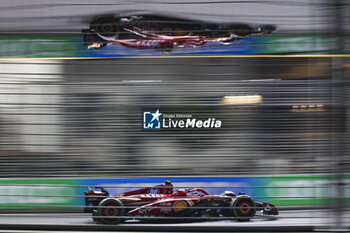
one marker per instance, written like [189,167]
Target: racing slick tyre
[241,30]
[107,27]
[244,208]
[110,211]
[267,29]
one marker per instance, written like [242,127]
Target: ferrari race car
[162,202]
[164,33]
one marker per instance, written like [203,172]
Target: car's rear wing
[94,197]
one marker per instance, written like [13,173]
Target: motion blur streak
[66,17]
[71,119]
[77,118]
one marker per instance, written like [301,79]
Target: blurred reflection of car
[161,202]
[163,33]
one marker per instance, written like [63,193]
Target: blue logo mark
[153,191]
[151,120]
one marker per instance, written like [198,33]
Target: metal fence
[84,118]
[67,124]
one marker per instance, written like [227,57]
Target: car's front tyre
[244,208]
[106,27]
[241,30]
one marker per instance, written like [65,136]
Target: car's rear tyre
[110,211]
[107,27]
[244,208]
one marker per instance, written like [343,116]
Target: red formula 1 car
[162,202]
[164,33]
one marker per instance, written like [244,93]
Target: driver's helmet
[96,45]
[167,182]
[229,193]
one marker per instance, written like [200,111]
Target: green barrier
[281,190]
[39,46]
[71,46]
[33,193]
[310,44]
[307,190]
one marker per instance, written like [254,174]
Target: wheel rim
[113,211]
[107,28]
[110,211]
[244,208]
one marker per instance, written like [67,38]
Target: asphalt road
[287,220]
